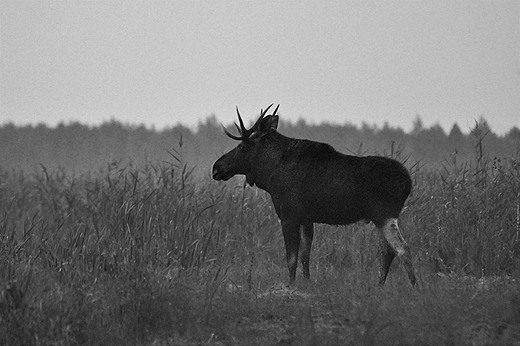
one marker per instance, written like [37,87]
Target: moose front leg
[291,236]
[308,233]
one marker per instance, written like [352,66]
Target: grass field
[151,255]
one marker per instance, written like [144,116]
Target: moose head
[242,158]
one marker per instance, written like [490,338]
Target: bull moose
[310,182]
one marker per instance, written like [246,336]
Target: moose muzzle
[219,172]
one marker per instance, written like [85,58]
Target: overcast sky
[164,62]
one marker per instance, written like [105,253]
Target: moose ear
[270,123]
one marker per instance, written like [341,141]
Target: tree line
[80,148]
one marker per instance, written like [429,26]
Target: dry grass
[150,255]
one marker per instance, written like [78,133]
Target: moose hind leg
[393,236]
[291,236]
[308,233]
[387,254]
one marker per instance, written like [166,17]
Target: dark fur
[312,182]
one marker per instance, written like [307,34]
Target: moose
[310,182]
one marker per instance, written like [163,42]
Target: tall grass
[150,254]
[466,216]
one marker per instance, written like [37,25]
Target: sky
[160,63]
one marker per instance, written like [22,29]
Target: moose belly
[335,212]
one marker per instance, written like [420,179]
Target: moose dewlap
[312,182]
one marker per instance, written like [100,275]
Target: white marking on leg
[394,237]
[292,261]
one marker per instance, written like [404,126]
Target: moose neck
[268,160]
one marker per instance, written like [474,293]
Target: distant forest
[79,148]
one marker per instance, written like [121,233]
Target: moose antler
[243,132]
[275,110]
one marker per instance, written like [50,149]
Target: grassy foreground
[149,255]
